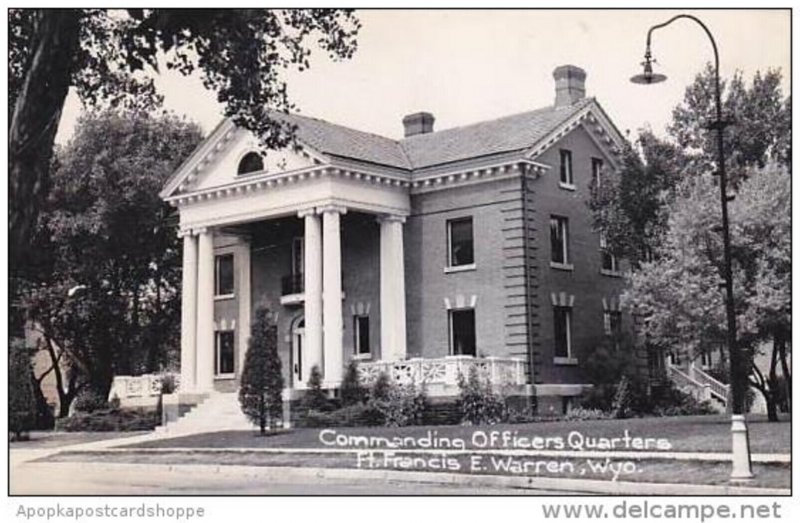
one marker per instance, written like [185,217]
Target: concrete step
[219,412]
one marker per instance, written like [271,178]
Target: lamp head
[648,76]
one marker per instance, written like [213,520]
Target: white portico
[215,200]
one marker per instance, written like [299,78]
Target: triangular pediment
[215,162]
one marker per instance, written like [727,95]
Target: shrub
[21,400]
[668,400]
[108,420]
[262,379]
[622,399]
[168,384]
[380,388]
[352,391]
[89,400]
[584,414]
[477,402]
[402,405]
[315,398]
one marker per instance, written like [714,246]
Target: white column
[312,285]
[393,290]
[332,293]
[205,311]
[189,312]
[243,326]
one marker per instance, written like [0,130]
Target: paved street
[61,478]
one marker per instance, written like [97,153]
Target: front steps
[218,412]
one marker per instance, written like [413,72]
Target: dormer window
[252,162]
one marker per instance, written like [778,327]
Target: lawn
[684,433]
[651,471]
[52,439]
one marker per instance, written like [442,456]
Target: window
[566,168]
[609,263]
[252,162]
[597,171]
[223,350]
[223,275]
[462,332]
[361,334]
[612,323]
[562,324]
[461,248]
[559,240]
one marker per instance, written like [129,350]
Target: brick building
[420,257]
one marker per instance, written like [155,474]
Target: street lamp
[741,445]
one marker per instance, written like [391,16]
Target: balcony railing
[292,284]
[133,390]
[445,371]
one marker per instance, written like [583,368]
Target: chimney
[418,123]
[570,81]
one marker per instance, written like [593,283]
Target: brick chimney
[418,123]
[570,80]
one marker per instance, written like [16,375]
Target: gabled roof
[518,132]
[338,140]
[509,133]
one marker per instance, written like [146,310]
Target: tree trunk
[37,111]
[780,342]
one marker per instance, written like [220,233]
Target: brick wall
[585,282]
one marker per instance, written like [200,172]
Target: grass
[651,471]
[685,433]
[52,439]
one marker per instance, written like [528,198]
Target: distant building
[421,257]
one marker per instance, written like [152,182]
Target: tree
[629,207]
[679,292]
[759,115]
[21,400]
[315,398]
[352,391]
[104,290]
[262,378]
[108,57]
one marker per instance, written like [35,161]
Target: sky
[466,66]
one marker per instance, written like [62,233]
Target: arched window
[251,163]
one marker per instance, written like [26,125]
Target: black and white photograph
[269,251]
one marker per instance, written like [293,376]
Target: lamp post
[741,469]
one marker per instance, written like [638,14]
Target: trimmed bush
[89,400]
[262,379]
[477,401]
[351,391]
[359,415]
[314,397]
[109,420]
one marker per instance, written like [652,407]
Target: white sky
[465,66]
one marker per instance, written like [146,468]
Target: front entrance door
[298,342]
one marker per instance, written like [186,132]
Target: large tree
[679,293]
[630,208]
[109,57]
[104,291]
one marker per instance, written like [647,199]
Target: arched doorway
[298,345]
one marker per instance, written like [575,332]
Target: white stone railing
[139,387]
[445,371]
[718,389]
[683,381]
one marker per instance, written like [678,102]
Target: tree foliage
[109,57]
[21,400]
[104,289]
[680,294]
[262,378]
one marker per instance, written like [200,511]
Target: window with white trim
[559,240]
[223,353]
[597,171]
[461,247]
[462,332]
[566,168]
[361,335]
[562,331]
[609,262]
[223,275]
